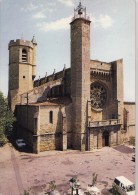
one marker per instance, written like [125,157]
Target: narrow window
[23,77]
[51,116]
[24,55]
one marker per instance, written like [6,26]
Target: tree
[6,120]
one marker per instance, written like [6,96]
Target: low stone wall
[51,142]
[132,141]
[47,142]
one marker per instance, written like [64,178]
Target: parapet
[20,42]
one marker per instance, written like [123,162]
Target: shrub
[6,120]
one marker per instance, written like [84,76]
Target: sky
[112,34]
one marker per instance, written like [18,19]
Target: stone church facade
[80,108]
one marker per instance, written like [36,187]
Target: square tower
[22,68]
[80,75]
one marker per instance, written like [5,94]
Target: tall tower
[22,68]
[80,75]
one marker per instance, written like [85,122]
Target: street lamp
[75,185]
[72,184]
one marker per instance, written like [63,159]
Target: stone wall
[39,94]
[130,108]
[42,132]
[47,142]
[103,66]
[26,124]
[21,73]
[100,73]
[64,75]
[96,136]
[108,75]
[45,125]
[80,79]
[117,88]
[129,117]
[25,115]
[13,76]
[55,135]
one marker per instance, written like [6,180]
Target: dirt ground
[22,170]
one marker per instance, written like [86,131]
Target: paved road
[10,179]
[20,170]
[16,171]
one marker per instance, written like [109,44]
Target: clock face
[98,96]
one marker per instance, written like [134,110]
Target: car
[20,143]
[123,186]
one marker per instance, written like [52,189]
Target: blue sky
[112,34]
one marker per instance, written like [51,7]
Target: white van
[124,186]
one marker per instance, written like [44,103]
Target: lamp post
[75,185]
[72,181]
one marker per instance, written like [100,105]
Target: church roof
[54,102]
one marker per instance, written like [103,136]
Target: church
[81,107]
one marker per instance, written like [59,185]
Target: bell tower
[22,69]
[80,75]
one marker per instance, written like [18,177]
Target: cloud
[51,3]
[39,15]
[68,3]
[103,21]
[55,25]
[30,7]
[39,10]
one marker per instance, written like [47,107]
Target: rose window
[98,95]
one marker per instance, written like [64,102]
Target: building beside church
[81,107]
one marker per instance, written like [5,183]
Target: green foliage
[52,185]
[6,120]
[115,190]
[26,193]
[94,179]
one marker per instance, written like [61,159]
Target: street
[21,171]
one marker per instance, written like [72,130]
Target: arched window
[24,55]
[51,116]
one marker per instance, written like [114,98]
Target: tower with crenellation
[22,69]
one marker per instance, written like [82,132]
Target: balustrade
[104,123]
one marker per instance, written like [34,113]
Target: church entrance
[105,139]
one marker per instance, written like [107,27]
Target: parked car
[123,186]
[20,143]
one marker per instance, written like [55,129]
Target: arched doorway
[105,139]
